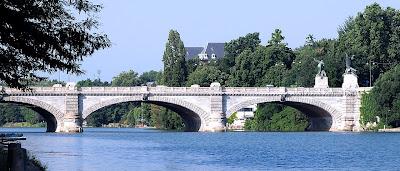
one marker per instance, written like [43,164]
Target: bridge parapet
[40,90]
[188,90]
[284,90]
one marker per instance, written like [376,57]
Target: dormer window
[213,56]
[203,56]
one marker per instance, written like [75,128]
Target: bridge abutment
[72,121]
[217,121]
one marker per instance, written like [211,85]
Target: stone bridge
[202,108]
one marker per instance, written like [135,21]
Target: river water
[145,149]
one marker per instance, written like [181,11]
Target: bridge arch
[323,117]
[51,115]
[193,116]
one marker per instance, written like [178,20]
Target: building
[211,51]
[242,115]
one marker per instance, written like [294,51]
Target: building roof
[215,48]
[193,52]
[211,48]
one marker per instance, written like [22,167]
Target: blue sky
[139,29]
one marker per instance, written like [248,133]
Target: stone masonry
[202,108]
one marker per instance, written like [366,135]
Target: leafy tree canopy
[126,79]
[175,72]
[205,75]
[235,47]
[373,36]
[46,36]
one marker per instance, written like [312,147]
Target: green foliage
[165,119]
[235,47]
[149,76]
[133,118]
[263,64]
[110,114]
[372,35]
[232,118]
[303,69]
[288,119]
[126,79]
[262,117]
[204,75]
[47,83]
[95,83]
[249,67]
[385,98]
[175,72]
[45,38]
[192,64]
[275,117]
[12,113]
[368,110]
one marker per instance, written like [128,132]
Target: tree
[373,37]
[278,50]
[126,79]
[250,67]
[149,76]
[47,83]
[95,83]
[37,36]
[304,68]
[259,66]
[277,38]
[288,119]
[386,98]
[368,109]
[174,75]
[205,75]
[235,47]
[192,64]
[232,118]
[175,72]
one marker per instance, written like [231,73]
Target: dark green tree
[192,64]
[95,83]
[174,75]
[205,75]
[235,47]
[386,98]
[373,37]
[149,76]
[37,36]
[289,119]
[126,79]
[175,72]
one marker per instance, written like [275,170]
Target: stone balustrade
[186,90]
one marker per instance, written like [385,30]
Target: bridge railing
[254,90]
[162,89]
[186,90]
[283,90]
[110,89]
[38,89]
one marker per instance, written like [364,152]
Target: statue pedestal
[350,81]
[321,82]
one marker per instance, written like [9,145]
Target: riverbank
[23,125]
[389,130]
[14,157]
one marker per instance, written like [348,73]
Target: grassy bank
[24,124]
